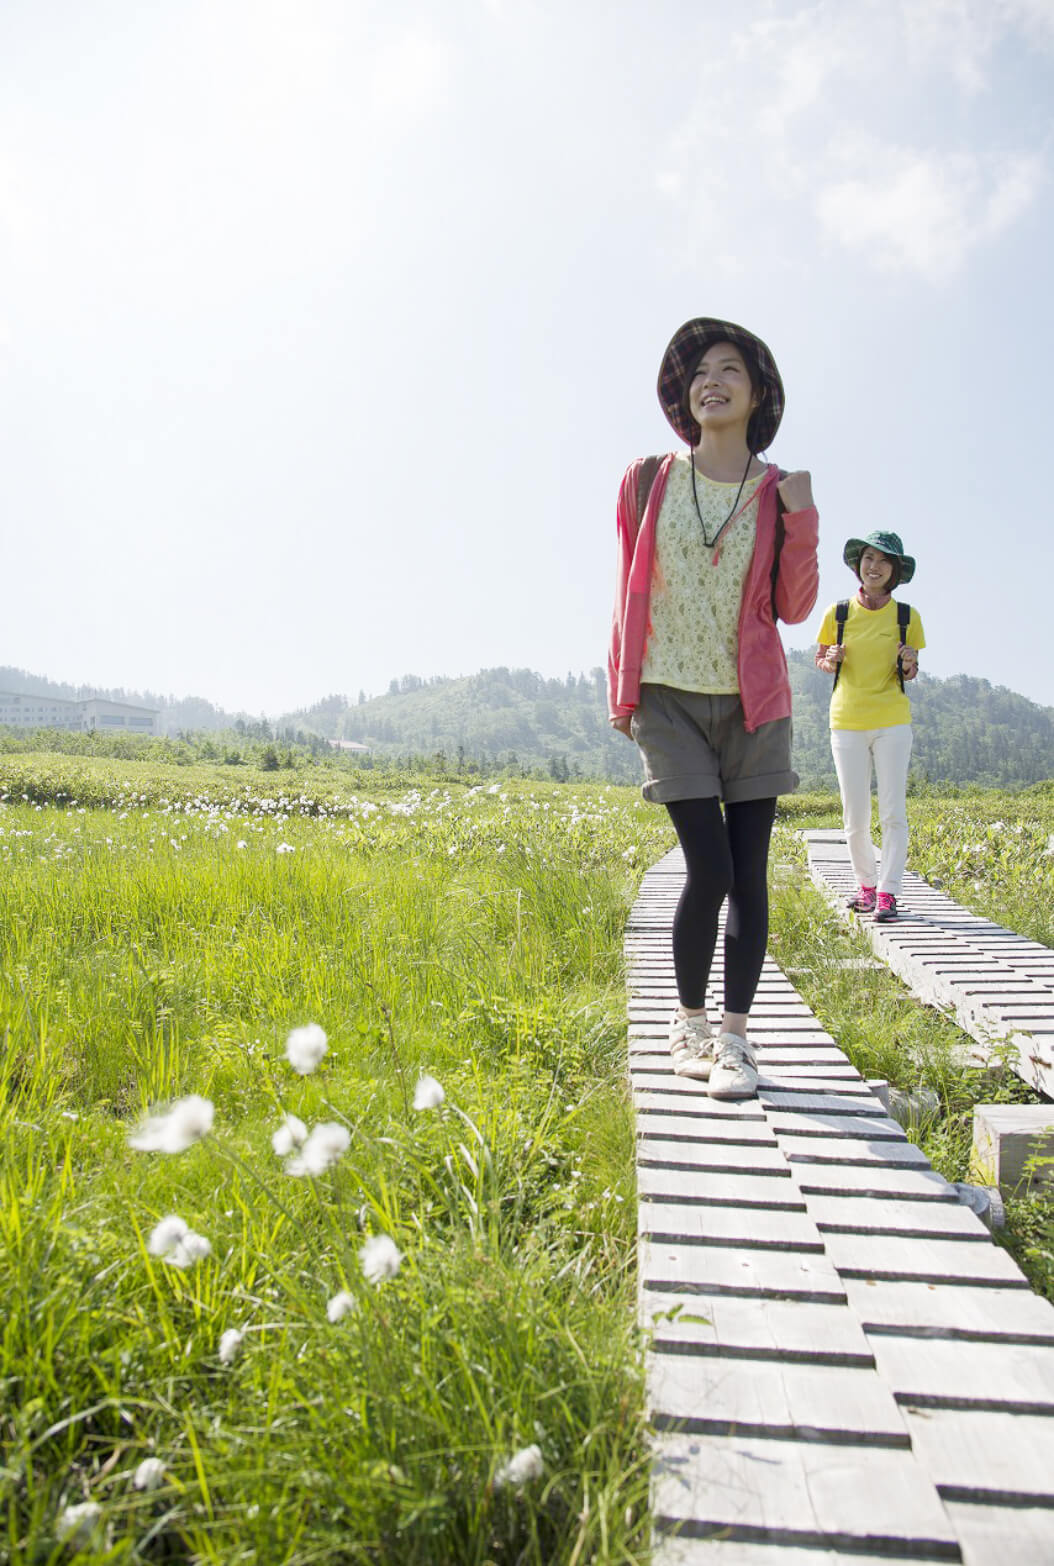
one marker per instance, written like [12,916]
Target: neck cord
[710,542]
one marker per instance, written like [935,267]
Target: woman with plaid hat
[871,646]
[714,545]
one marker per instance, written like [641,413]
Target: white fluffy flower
[524,1465]
[76,1522]
[305,1047]
[177,1244]
[285,848]
[291,1133]
[230,1343]
[340,1305]
[381,1258]
[428,1094]
[324,1145]
[176,1129]
[149,1474]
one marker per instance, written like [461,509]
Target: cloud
[894,127]
[924,212]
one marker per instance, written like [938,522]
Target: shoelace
[737,1051]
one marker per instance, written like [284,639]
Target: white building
[19,711]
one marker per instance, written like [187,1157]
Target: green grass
[160,946]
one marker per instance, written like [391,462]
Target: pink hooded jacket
[764,688]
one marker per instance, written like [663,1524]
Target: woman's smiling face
[875,570]
[720,394]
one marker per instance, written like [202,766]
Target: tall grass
[156,947]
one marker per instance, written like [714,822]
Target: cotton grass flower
[341,1305]
[77,1522]
[428,1093]
[524,1465]
[324,1145]
[230,1343]
[381,1258]
[291,1133]
[149,1474]
[305,1047]
[177,1244]
[176,1129]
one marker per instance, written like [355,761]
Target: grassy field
[160,938]
[410,1339]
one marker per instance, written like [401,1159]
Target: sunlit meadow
[318,1196]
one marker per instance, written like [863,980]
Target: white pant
[890,749]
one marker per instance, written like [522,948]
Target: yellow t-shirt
[868,693]
[696,589]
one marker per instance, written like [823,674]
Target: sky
[328,327]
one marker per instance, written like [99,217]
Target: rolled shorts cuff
[666,791]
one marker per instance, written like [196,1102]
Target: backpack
[646,478]
[841,615]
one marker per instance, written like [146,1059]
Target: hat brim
[679,362]
[855,547]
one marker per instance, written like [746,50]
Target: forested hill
[966,730]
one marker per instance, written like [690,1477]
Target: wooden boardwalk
[844,1367]
[998,985]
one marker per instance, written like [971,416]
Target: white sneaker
[734,1073]
[691,1045]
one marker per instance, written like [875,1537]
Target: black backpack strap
[903,621]
[645,479]
[841,615]
[778,543]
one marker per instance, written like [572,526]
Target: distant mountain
[966,730]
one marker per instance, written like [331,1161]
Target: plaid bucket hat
[679,363]
[886,544]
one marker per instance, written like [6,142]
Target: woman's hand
[909,660]
[796,491]
[622,725]
[828,658]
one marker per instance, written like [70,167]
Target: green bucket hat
[886,544]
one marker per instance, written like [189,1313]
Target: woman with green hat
[714,545]
[870,644]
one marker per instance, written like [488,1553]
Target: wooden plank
[684,1550]
[730,1159]
[1003,1458]
[697,1269]
[821,1103]
[748,1226]
[799,1495]
[886,1215]
[919,1184]
[771,1399]
[1003,1536]
[1011,1376]
[951,1310]
[853,1150]
[702,1128]
[835,1126]
[886,1256]
[710,1189]
[800,1079]
[767,1329]
[668,1083]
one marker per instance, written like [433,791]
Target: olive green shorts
[696,746]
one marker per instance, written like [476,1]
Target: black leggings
[726,856]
